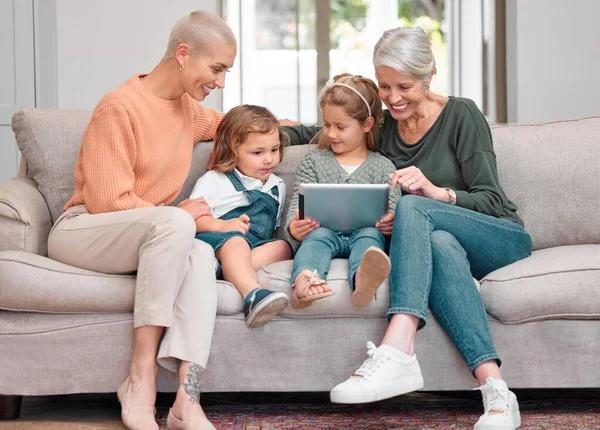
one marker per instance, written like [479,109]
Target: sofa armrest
[24,217]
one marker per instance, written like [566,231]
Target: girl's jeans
[436,250]
[322,245]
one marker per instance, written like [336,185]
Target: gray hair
[199,29]
[406,50]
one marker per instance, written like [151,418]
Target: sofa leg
[10,407]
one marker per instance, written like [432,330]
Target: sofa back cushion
[552,172]
[49,141]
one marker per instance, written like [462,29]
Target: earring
[181,67]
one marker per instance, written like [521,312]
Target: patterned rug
[410,412]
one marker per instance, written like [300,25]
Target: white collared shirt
[221,195]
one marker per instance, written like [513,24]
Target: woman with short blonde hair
[135,155]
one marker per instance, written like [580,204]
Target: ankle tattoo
[192,386]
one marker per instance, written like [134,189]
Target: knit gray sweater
[321,167]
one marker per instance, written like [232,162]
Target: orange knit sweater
[137,149]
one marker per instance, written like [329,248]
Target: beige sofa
[66,330]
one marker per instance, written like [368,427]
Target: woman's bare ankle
[186,405]
[143,371]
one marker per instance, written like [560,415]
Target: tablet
[342,207]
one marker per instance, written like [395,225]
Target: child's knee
[371,232]
[320,233]
[234,243]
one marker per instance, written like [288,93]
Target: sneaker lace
[495,400]
[371,364]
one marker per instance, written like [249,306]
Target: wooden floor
[82,412]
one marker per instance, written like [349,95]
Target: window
[290,48]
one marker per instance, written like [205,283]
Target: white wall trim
[46,70]
[511,62]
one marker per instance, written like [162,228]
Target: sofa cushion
[551,172]
[555,283]
[33,283]
[276,277]
[49,141]
[30,282]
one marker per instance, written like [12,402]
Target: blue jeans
[322,245]
[436,250]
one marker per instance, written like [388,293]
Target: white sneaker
[501,410]
[387,372]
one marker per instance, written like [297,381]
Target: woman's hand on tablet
[299,228]
[386,224]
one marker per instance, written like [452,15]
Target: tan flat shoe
[194,423]
[373,271]
[135,417]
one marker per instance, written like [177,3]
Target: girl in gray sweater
[347,153]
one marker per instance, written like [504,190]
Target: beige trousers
[176,286]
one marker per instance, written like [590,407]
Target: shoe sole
[267,310]
[375,268]
[408,385]
[305,302]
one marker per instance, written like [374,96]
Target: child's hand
[299,228]
[195,207]
[386,224]
[241,224]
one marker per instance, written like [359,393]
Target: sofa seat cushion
[554,283]
[276,277]
[30,282]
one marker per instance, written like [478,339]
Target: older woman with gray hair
[454,222]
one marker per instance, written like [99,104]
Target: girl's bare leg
[270,253]
[236,259]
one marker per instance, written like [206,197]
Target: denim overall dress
[262,211]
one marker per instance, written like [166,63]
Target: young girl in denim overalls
[246,200]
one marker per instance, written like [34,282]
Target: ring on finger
[409,182]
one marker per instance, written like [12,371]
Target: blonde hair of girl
[355,107]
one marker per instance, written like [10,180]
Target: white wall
[553,59]
[101,44]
